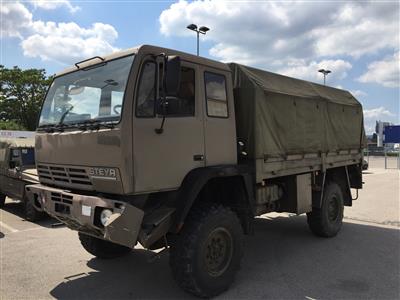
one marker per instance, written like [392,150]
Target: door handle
[198,157]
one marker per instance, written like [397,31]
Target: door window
[217,104]
[183,105]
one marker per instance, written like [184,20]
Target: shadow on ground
[17,208]
[282,261]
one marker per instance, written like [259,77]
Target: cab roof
[145,49]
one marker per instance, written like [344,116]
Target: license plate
[86,210]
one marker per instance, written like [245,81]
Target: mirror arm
[164,98]
[161,129]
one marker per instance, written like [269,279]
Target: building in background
[379,129]
[6,134]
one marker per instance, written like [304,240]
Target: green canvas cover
[278,116]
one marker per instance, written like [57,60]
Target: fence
[382,159]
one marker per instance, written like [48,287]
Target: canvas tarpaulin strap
[278,116]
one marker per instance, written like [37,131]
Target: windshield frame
[99,64]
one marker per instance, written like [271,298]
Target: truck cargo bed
[293,126]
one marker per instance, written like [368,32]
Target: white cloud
[358,93]
[385,72]
[374,114]
[62,42]
[377,113]
[54,4]
[359,28]
[15,18]
[68,42]
[275,33]
[309,71]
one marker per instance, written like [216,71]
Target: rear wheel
[2,199]
[327,220]
[206,254]
[31,213]
[101,248]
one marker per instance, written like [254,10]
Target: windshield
[94,93]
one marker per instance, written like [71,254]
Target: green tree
[11,125]
[21,95]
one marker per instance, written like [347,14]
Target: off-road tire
[327,220]
[189,254]
[2,199]
[31,213]
[102,249]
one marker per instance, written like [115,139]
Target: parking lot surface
[283,260]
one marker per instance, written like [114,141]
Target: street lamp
[325,72]
[202,30]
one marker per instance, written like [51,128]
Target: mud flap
[124,228]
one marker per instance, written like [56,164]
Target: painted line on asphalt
[8,227]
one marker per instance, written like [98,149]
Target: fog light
[105,216]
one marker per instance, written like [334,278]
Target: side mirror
[172,75]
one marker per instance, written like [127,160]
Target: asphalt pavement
[283,260]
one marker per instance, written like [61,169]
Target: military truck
[17,169]
[166,149]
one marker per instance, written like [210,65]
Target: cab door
[162,160]
[219,117]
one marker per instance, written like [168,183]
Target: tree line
[21,96]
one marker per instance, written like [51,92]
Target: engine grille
[65,176]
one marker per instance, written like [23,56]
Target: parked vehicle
[167,149]
[365,165]
[17,169]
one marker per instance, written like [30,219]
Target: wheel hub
[218,251]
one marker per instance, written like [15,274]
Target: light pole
[325,72]
[202,30]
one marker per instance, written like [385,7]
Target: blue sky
[358,41]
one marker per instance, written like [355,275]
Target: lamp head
[204,29]
[192,27]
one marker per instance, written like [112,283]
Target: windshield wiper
[49,128]
[94,124]
[84,125]
[64,115]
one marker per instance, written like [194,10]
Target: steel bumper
[82,213]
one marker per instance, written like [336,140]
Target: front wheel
[206,254]
[31,213]
[101,248]
[327,220]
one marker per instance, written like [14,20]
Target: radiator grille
[63,175]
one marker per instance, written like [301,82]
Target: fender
[196,179]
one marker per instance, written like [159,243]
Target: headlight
[105,216]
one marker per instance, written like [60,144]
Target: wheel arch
[203,182]
[340,176]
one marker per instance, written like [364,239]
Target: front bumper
[82,213]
